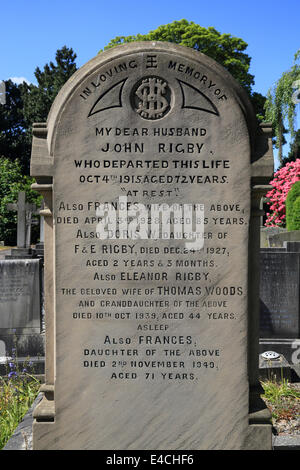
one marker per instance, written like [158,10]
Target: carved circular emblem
[271,355]
[151,97]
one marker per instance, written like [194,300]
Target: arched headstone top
[219,88]
[197,78]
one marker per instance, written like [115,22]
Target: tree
[294,152]
[280,105]
[293,207]
[14,143]
[258,102]
[38,99]
[26,104]
[226,49]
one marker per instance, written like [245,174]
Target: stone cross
[25,211]
[2,92]
[42,224]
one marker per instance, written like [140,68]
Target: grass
[283,400]
[18,390]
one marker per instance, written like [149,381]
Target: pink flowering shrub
[282,183]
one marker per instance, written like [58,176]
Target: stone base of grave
[25,349]
[39,250]
[22,343]
[287,347]
[286,442]
[279,239]
[21,253]
[36,365]
[259,436]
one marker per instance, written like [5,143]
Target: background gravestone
[149,344]
[280,299]
[21,292]
[20,310]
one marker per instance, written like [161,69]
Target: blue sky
[32,30]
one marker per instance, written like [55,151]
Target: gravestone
[2,92]
[280,299]
[3,355]
[152,168]
[282,237]
[21,292]
[267,234]
[25,211]
[20,310]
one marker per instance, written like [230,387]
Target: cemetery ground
[18,390]
[283,400]
[4,248]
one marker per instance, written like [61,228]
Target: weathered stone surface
[150,336]
[286,442]
[20,314]
[279,239]
[280,300]
[279,294]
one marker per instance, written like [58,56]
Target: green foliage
[258,103]
[275,390]
[293,207]
[26,104]
[11,182]
[280,107]
[294,152]
[38,99]
[226,49]
[18,390]
[296,211]
[282,399]
[16,397]
[14,143]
